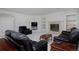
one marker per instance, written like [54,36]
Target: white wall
[60,17]
[22,19]
[6,22]
[19,20]
[78,18]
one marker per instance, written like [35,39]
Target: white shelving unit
[43,23]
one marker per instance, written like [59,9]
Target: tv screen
[33,23]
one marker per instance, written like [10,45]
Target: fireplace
[54,27]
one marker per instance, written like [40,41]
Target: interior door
[6,23]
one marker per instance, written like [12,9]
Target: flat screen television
[33,23]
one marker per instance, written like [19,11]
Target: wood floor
[5,45]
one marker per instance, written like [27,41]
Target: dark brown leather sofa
[23,43]
[66,41]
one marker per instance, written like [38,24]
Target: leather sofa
[71,37]
[64,36]
[25,30]
[23,43]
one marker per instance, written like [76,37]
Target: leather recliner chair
[25,30]
[23,43]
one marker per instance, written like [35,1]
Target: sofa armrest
[15,43]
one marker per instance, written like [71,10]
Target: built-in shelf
[43,23]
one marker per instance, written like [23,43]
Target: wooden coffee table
[46,37]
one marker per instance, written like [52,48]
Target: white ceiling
[36,11]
